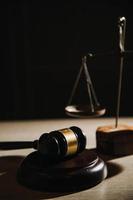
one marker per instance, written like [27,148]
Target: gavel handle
[11,145]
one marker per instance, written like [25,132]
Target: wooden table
[117,186]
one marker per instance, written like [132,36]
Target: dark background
[42,45]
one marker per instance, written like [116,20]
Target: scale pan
[83,111]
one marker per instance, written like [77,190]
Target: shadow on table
[113,169]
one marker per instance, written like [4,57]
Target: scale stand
[117,139]
[93,109]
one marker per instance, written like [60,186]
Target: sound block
[115,141]
[71,174]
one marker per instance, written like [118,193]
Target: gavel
[60,143]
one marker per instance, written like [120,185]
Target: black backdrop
[42,45]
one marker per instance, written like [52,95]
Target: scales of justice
[111,139]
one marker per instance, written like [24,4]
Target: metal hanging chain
[90,88]
[75,85]
[89,82]
[122,30]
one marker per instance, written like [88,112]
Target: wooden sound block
[72,174]
[115,141]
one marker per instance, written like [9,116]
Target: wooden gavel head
[62,143]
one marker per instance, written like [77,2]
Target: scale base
[80,172]
[115,141]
